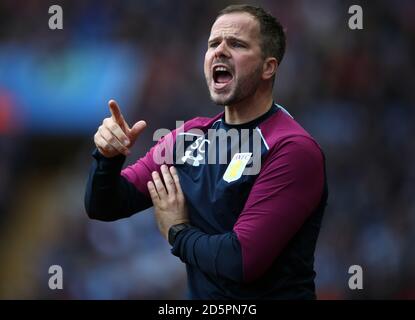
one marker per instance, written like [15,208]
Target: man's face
[233,60]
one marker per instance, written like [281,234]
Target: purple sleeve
[287,190]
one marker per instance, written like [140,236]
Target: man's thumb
[137,128]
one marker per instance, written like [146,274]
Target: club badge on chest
[237,166]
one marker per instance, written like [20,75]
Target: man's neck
[248,109]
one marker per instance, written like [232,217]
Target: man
[242,232]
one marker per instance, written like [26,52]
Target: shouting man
[240,196]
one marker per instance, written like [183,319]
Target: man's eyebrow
[232,38]
[214,39]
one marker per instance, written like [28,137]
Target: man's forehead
[234,24]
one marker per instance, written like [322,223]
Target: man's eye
[213,45]
[238,45]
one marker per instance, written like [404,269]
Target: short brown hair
[272,32]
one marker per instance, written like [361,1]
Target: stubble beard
[243,88]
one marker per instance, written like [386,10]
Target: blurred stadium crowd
[353,90]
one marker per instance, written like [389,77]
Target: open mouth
[222,76]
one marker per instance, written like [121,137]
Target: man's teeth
[220,69]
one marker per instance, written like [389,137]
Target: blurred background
[351,89]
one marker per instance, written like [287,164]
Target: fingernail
[126,142]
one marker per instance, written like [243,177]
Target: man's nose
[222,50]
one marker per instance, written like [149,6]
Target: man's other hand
[168,199]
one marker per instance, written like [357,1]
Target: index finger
[116,113]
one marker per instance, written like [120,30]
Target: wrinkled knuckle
[106,147]
[113,127]
[122,137]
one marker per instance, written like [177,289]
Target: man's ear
[269,68]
